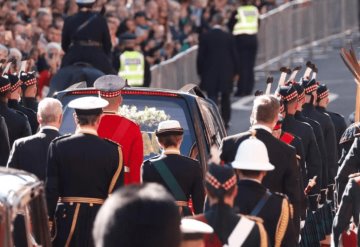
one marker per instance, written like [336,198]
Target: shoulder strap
[84,24]
[170,180]
[240,233]
[261,203]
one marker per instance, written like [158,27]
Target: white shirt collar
[86,131]
[260,126]
[171,151]
[217,27]
[48,127]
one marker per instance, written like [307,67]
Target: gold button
[91,204]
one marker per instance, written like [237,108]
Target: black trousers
[246,46]
[225,105]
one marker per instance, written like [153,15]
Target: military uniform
[187,173]
[256,237]
[30,114]
[349,207]
[83,170]
[340,126]
[29,79]
[276,212]
[4,142]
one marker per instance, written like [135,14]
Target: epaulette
[111,141]
[338,114]
[281,195]
[61,137]
[254,218]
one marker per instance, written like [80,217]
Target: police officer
[83,170]
[310,87]
[337,119]
[181,175]
[312,156]
[244,26]
[120,129]
[29,90]
[17,124]
[86,38]
[230,229]
[14,102]
[251,164]
[133,65]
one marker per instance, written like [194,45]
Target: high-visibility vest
[247,20]
[132,65]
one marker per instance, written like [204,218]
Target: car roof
[15,184]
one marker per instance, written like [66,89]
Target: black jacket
[329,137]
[187,173]
[31,115]
[86,166]
[276,212]
[349,207]
[17,123]
[311,150]
[95,31]
[30,103]
[4,142]
[216,61]
[35,149]
[285,178]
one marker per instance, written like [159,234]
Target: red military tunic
[127,133]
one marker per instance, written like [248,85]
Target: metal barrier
[292,26]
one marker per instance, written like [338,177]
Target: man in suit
[180,175]
[83,170]
[349,207]
[251,165]
[4,142]
[14,102]
[119,128]
[35,147]
[17,123]
[286,176]
[217,65]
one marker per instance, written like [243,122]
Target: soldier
[14,102]
[286,176]
[312,156]
[29,88]
[17,123]
[138,215]
[337,119]
[251,165]
[230,229]
[35,147]
[4,142]
[120,129]
[349,207]
[326,124]
[182,176]
[83,170]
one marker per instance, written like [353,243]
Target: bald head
[50,112]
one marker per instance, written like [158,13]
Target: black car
[199,116]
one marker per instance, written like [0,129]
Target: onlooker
[138,215]
[35,147]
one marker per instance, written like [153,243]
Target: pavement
[332,72]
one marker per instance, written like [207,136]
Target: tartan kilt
[309,234]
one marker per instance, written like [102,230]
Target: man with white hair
[35,147]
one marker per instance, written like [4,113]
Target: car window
[212,123]
[147,111]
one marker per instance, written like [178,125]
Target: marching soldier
[251,165]
[230,229]
[337,119]
[286,176]
[29,88]
[83,170]
[14,102]
[349,207]
[119,128]
[182,176]
[17,124]
[325,122]
[312,156]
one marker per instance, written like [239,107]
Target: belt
[86,43]
[87,200]
[182,204]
